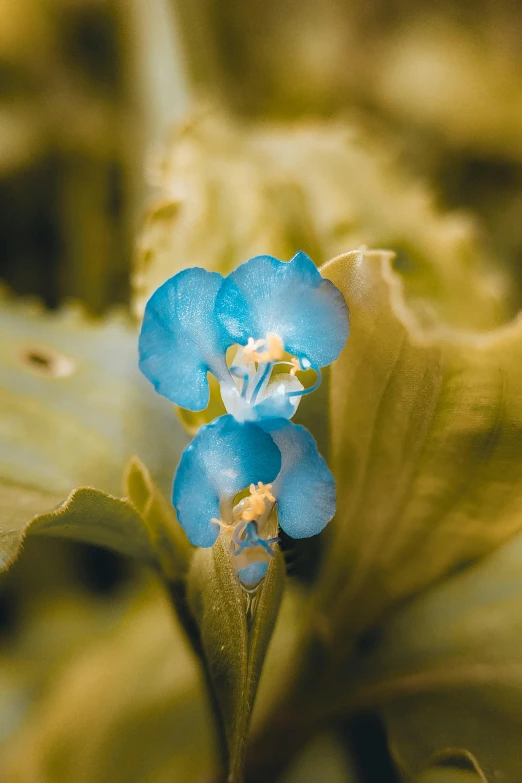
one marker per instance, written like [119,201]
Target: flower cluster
[252,469]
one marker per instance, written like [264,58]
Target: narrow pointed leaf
[234,638]
[170,542]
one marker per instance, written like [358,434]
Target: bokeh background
[140,137]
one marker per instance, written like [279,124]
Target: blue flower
[243,479]
[250,471]
[221,461]
[280,315]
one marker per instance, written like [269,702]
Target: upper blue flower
[232,477]
[266,307]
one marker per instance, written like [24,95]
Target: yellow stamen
[254,505]
[296,365]
[250,349]
[264,490]
[274,349]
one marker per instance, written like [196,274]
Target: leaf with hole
[74,406]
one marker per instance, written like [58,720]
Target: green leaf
[235,629]
[19,505]
[445,671]
[426,434]
[74,406]
[146,530]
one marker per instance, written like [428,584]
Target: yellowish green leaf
[324,759]
[146,529]
[445,671]
[169,539]
[128,708]
[90,516]
[18,506]
[426,434]
[448,774]
[321,187]
[74,406]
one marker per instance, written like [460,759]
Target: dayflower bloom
[280,315]
[234,476]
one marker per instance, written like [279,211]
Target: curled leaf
[146,529]
[321,187]
[90,516]
[426,444]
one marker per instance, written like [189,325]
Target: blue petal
[274,404]
[277,405]
[223,459]
[253,573]
[181,340]
[305,487]
[289,298]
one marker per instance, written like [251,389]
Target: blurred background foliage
[263,127]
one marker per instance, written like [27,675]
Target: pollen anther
[254,505]
[296,365]
[273,349]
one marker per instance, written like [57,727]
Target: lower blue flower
[235,476]
[223,459]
